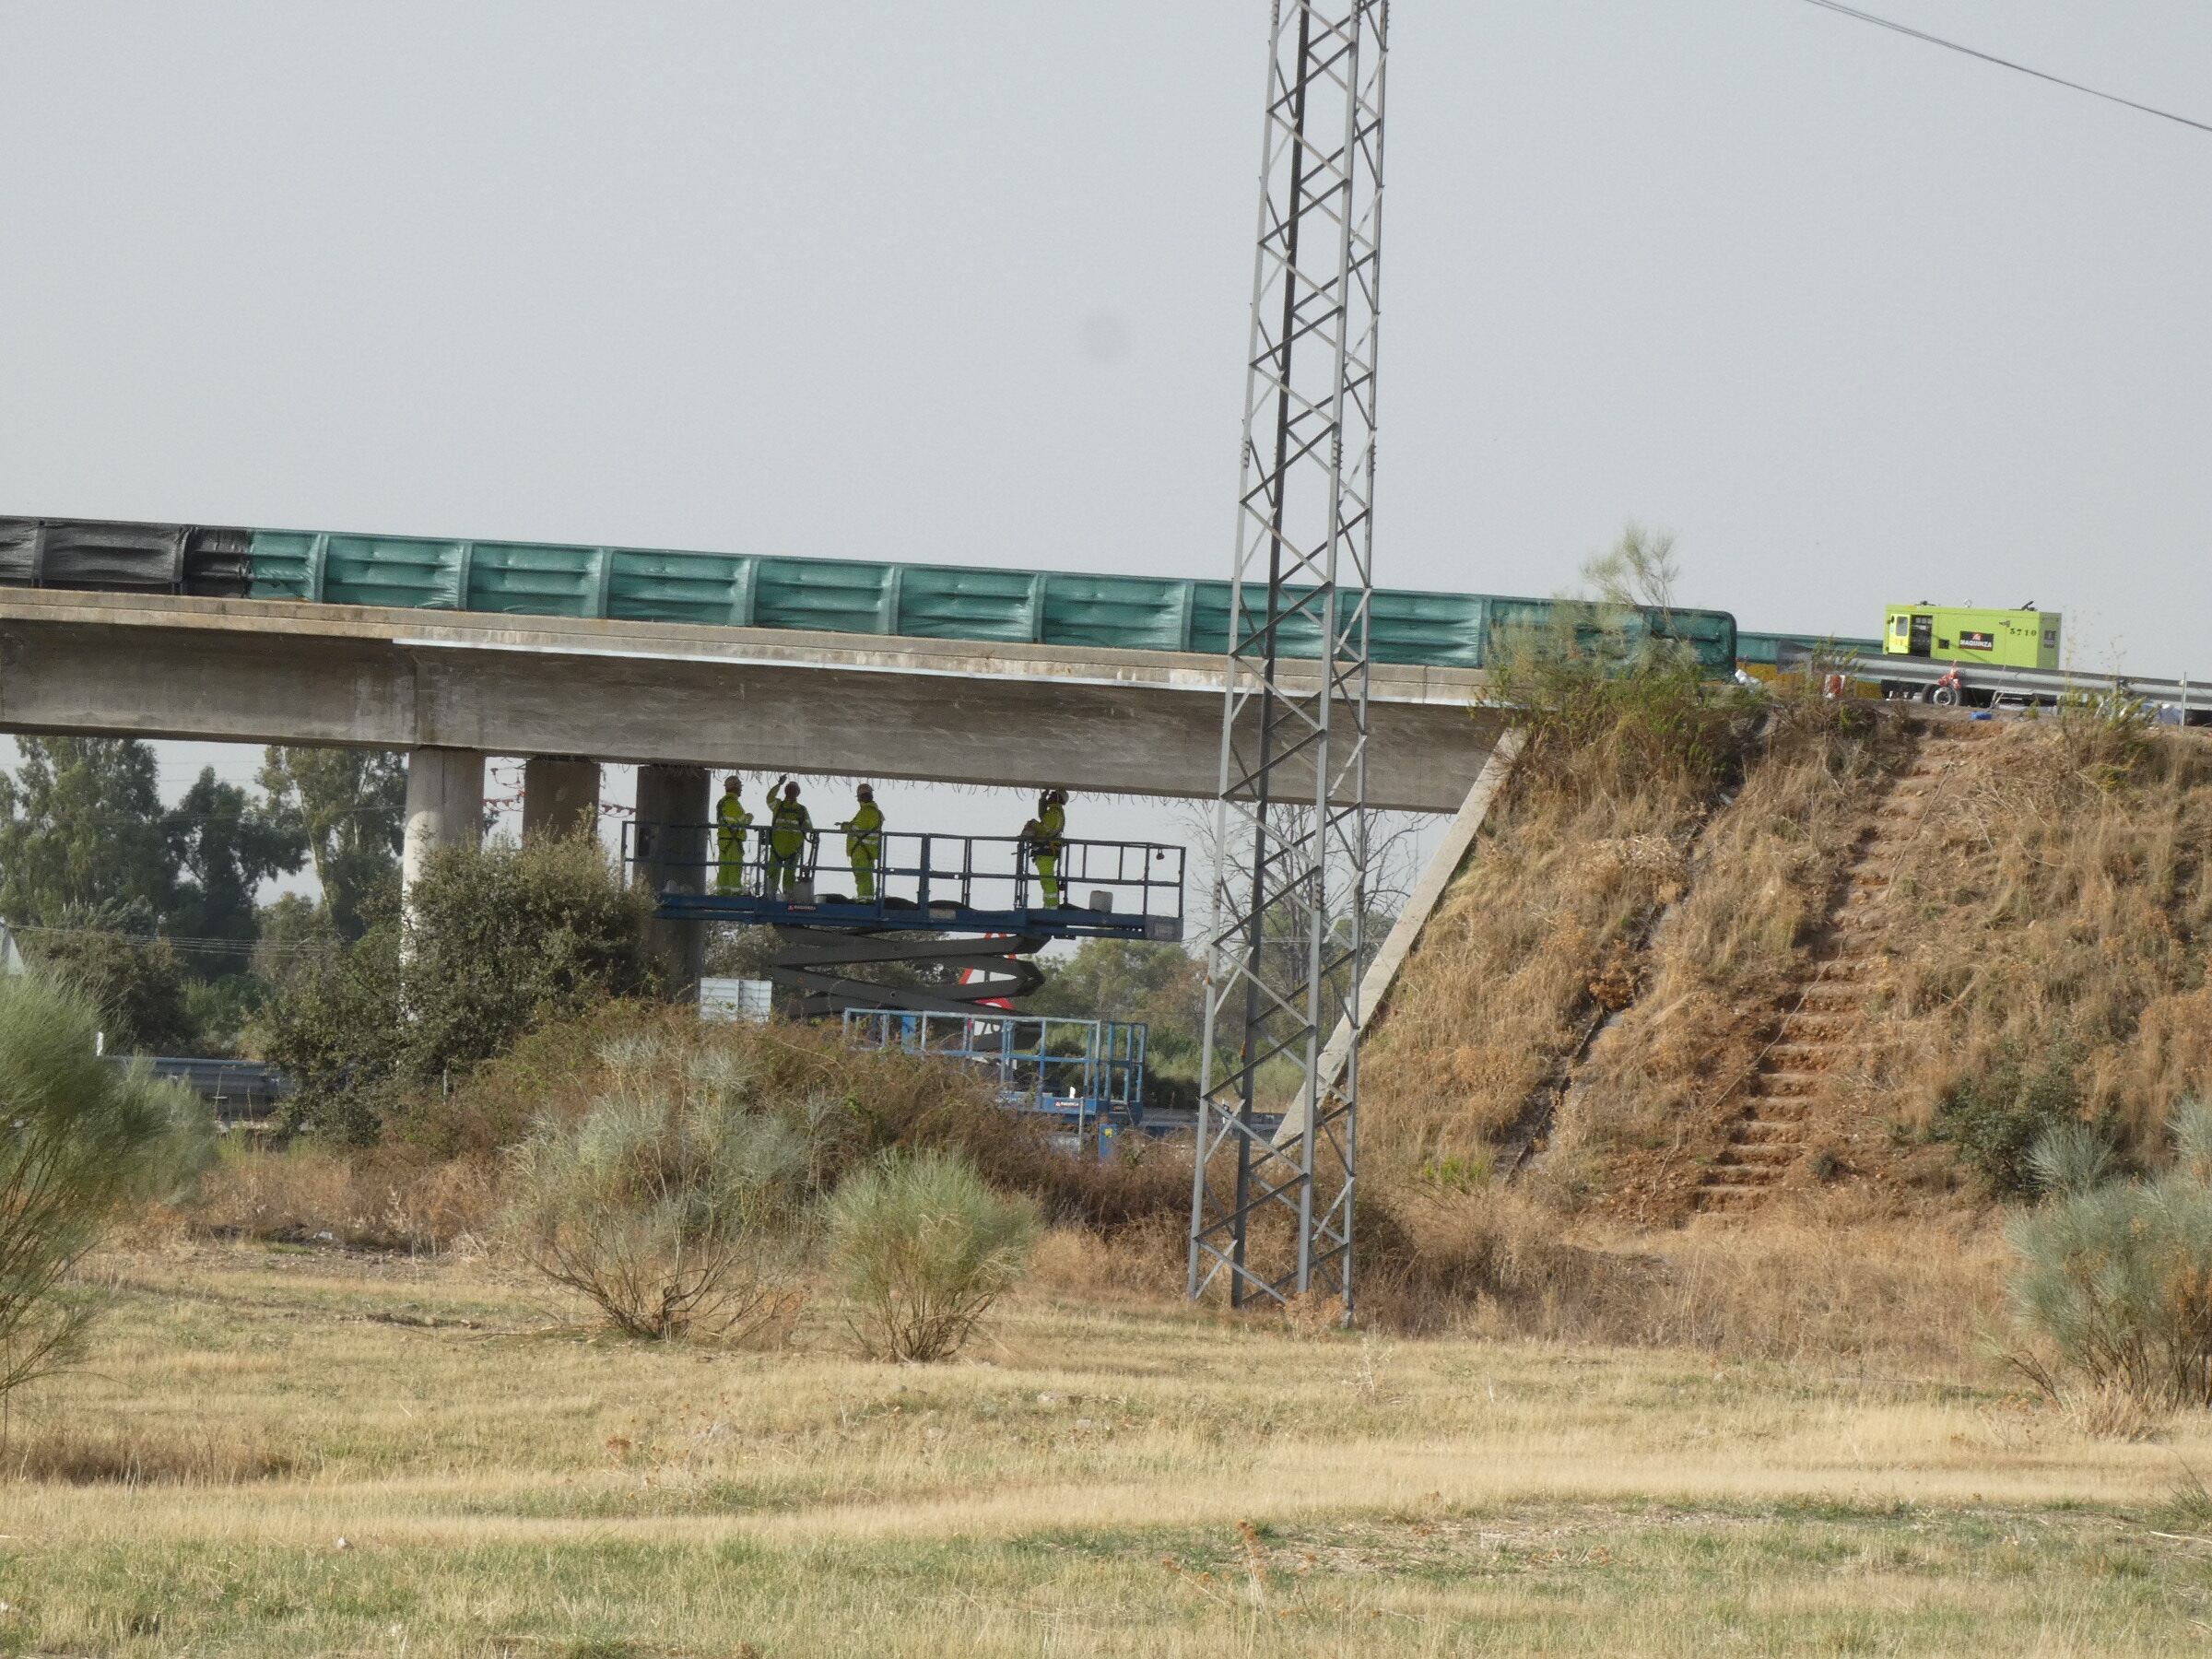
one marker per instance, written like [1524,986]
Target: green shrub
[82,1136]
[675,1203]
[2116,1278]
[134,978]
[338,1035]
[924,1247]
[2072,1157]
[1609,698]
[496,943]
[1996,1120]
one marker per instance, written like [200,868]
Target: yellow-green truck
[2008,638]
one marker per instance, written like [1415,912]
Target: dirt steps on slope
[1818,1023]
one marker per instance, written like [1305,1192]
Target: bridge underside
[257,671]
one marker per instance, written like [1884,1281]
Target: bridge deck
[268,671]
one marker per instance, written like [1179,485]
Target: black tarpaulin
[92,553]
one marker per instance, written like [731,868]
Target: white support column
[673,809]
[445,806]
[560,797]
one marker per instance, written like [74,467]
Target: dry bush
[675,1205]
[896,1101]
[140,1454]
[390,1198]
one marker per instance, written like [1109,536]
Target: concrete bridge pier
[673,810]
[560,797]
[445,806]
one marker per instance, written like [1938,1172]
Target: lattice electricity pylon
[1291,836]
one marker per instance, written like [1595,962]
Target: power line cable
[1989,57]
[195,942]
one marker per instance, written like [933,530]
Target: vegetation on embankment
[2049,946]
[1549,927]
[2040,950]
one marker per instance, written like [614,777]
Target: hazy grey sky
[1858,320]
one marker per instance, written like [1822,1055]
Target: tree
[293,937]
[131,979]
[1159,986]
[1608,679]
[337,1034]
[497,941]
[81,829]
[225,847]
[351,806]
[85,1137]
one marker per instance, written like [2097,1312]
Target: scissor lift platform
[938,884]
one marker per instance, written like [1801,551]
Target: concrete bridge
[567,693]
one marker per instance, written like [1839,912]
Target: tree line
[156,909]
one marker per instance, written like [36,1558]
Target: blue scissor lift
[1087,1076]
[970,902]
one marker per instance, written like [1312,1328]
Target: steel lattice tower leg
[1291,833]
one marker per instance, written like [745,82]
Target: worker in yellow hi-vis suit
[863,843]
[731,821]
[1045,836]
[788,829]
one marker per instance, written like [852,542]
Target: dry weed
[1541,927]
[2057,906]
[391,1197]
[1759,889]
[1141,1262]
[1802,1288]
[140,1454]
[2112,1412]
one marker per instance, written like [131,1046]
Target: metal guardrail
[2193,699]
[1127,889]
[236,1090]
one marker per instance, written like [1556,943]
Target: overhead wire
[2003,63]
[194,942]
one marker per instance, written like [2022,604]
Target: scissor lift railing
[1087,1075]
[927,882]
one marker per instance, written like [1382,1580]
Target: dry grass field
[279,1451]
